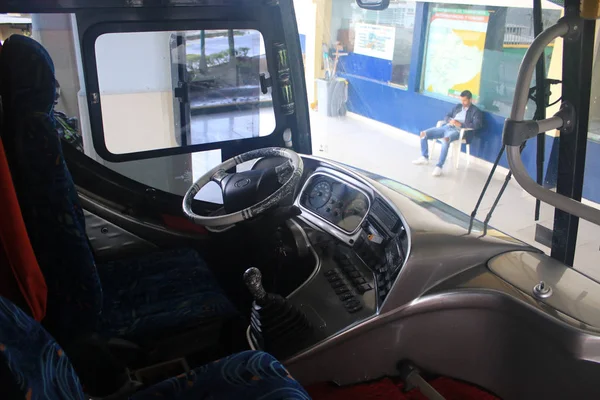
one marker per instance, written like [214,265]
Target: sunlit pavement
[388,151]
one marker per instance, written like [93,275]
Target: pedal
[413,379]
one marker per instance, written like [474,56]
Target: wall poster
[454,51]
[375,40]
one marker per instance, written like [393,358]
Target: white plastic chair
[455,146]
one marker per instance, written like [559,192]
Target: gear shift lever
[253,280]
[275,325]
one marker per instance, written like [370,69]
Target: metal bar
[577,76]
[579,61]
[528,65]
[484,190]
[488,217]
[426,389]
[549,124]
[558,200]
[540,101]
[543,126]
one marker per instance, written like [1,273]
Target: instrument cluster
[337,202]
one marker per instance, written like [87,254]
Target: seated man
[464,115]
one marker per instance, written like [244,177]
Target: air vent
[385,214]
[384,277]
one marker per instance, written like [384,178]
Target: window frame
[90,29]
[353,8]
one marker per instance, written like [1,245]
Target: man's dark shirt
[473,120]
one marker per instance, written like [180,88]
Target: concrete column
[322,36]
[306,15]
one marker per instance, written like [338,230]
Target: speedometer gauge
[320,194]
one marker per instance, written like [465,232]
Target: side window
[169,89]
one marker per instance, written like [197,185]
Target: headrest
[26,76]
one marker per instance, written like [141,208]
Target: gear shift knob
[253,280]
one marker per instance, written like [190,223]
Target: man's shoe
[437,171]
[421,161]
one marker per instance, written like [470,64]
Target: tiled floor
[388,151]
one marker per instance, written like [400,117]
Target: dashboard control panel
[372,232]
[348,281]
[383,246]
[361,244]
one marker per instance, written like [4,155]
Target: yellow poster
[454,51]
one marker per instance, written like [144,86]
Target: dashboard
[367,232]
[457,293]
[339,203]
[360,244]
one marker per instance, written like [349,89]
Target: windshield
[417,94]
[378,81]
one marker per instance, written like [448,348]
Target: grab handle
[517,131]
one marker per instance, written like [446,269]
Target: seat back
[45,189]
[32,364]
[21,279]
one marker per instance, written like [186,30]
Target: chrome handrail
[517,131]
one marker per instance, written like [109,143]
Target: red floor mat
[386,389]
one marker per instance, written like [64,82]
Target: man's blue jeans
[445,131]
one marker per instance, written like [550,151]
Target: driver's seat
[34,367]
[136,299]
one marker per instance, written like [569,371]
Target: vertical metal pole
[232,57]
[203,64]
[577,73]
[540,97]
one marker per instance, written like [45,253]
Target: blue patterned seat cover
[149,294]
[247,375]
[38,365]
[143,295]
[41,370]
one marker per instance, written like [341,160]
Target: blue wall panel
[591,182]
[414,112]
[367,67]
[303,43]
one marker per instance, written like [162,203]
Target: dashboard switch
[337,284]
[365,287]
[346,296]
[351,303]
[342,290]
[355,309]
[359,281]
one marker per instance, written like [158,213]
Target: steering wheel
[287,174]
